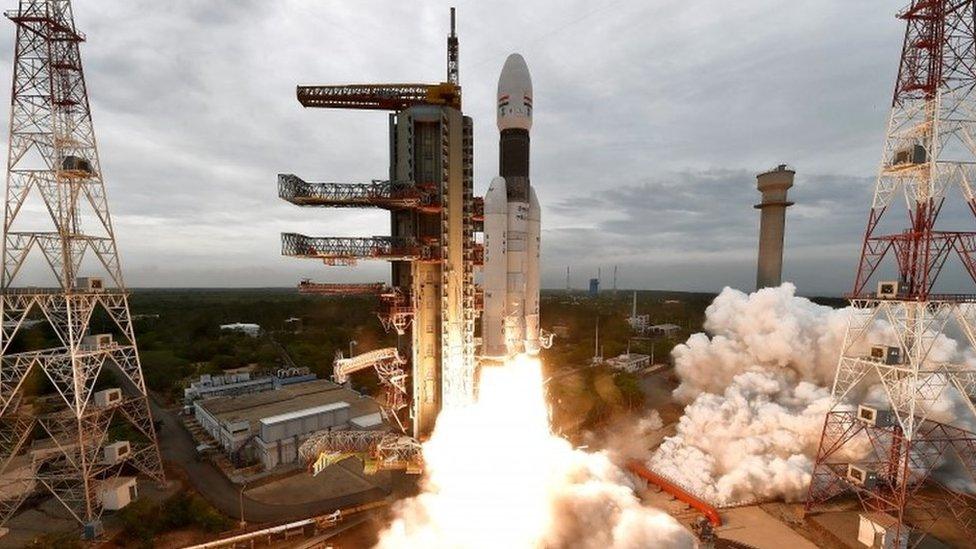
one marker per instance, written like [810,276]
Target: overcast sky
[651,120]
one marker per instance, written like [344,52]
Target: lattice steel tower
[886,455]
[53,157]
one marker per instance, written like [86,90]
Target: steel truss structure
[53,155]
[382,97]
[349,250]
[325,288]
[378,450]
[930,149]
[389,368]
[396,310]
[391,195]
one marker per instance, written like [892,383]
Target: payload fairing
[512,227]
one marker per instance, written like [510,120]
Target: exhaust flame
[498,477]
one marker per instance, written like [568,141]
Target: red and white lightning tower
[53,157]
[886,455]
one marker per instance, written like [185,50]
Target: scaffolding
[380,97]
[349,250]
[391,195]
[306,286]
[388,366]
[378,450]
[53,155]
[887,455]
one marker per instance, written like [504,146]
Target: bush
[185,509]
[140,522]
[143,520]
[63,540]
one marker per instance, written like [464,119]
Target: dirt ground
[343,479]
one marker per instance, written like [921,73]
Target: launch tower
[53,156]
[886,455]
[432,250]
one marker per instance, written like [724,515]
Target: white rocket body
[510,324]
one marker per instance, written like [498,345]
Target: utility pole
[242,523]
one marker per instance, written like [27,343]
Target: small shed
[878,531]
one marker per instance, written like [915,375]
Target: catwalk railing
[391,195]
[383,97]
[379,451]
[347,250]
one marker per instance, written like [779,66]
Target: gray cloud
[651,120]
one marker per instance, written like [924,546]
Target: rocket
[510,324]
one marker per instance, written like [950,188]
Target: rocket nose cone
[515,94]
[515,73]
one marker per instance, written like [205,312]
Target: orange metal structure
[710,512]
[306,286]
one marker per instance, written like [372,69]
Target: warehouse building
[242,382]
[245,328]
[629,362]
[269,426]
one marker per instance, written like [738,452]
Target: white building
[270,426]
[239,383]
[877,530]
[666,330]
[115,493]
[629,362]
[252,330]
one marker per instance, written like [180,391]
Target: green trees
[180,337]
[143,520]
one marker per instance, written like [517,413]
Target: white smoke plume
[752,441]
[757,390]
[496,476]
[769,331]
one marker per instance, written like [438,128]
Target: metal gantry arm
[392,195]
[379,450]
[389,368]
[325,288]
[344,367]
[347,250]
[381,97]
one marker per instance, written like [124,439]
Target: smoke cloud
[496,476]
[757,390]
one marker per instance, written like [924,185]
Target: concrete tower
[773,185]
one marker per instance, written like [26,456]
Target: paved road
[179,449]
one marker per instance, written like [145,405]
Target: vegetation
[580,313]
[143,520]
[179,332]
[57,540]
[584,396]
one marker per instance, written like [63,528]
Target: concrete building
[666,330]
[629,362]
[269,426]
[877,530]
[239,383]
[252,330]
[115,493]
[773,185]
